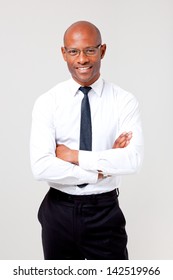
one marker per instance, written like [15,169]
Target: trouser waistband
[93,197]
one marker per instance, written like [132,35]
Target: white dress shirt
[56,120]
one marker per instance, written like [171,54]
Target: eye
[90,51]
[72,52]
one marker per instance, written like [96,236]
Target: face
[85,69]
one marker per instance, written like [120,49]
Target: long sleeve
[122,160]
[45,166]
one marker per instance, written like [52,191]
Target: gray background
[139,37]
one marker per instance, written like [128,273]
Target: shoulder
[118,92]
[121,97]
[50,97]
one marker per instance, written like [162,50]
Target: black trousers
[82,227]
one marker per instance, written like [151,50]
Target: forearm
[44,163]
[72,156]
[51,169]
[93,160]
[124,158]
[113,161]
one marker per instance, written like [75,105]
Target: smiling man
[78,42]
[86,133]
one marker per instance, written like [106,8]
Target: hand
[123,140]
[66,154]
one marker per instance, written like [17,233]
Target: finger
[123,142]
[120,142]
[130,134]
[127,143]
[124,135]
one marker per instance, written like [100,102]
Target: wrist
[75,156]
[101,175]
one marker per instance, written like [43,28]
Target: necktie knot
[85,90]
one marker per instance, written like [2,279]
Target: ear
[103,50]
[64,53]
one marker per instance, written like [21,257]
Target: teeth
[83,68]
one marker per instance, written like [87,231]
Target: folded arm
[71,167]
[72,156]
[121,158]
[44,163]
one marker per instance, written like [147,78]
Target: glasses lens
[73,52]
[88,51]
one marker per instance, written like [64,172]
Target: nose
[82,58]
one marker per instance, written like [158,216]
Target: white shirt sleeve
[122,160]
[44,164]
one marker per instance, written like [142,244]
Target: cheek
[96,66]
[70,66]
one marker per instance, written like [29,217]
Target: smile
[83,69]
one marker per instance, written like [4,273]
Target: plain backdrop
[139,38]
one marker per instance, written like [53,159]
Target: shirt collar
[97,86]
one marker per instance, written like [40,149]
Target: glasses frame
[84,51]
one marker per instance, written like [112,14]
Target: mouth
[83,69]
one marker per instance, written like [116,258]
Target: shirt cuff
[88,160]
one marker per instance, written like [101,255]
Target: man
[81,144]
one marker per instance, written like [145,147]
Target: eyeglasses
[90,51]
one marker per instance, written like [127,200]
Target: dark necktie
[85,125]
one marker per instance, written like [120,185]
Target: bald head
[80,28]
